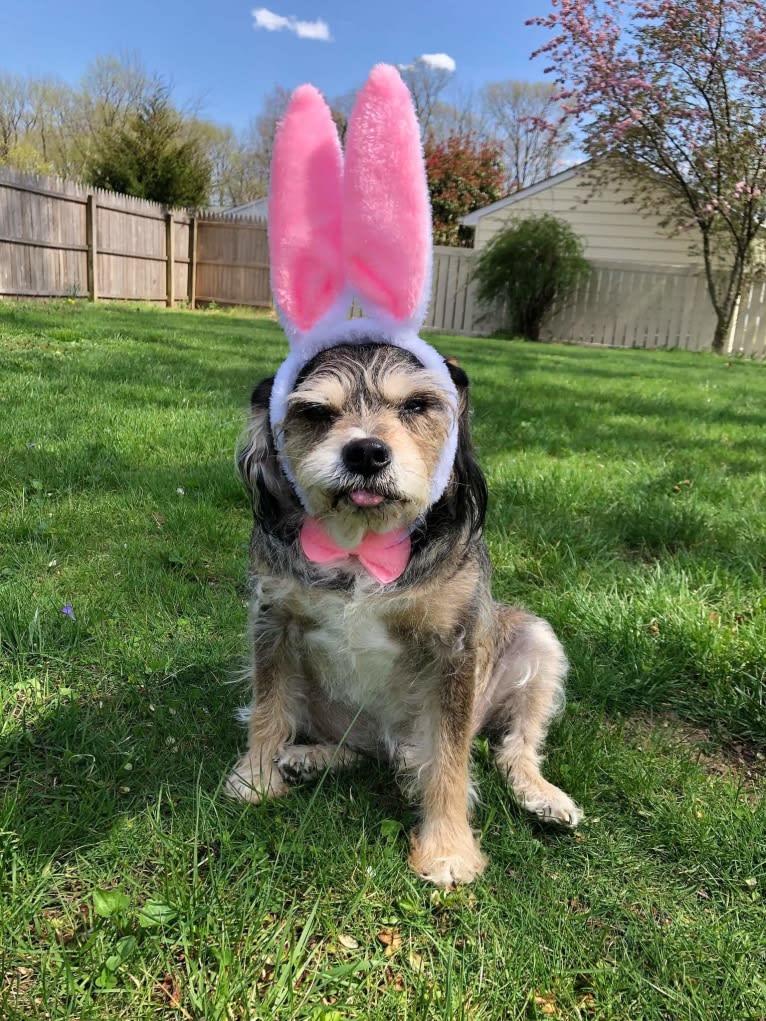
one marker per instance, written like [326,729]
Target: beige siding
[611,231]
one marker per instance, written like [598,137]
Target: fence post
[91,240]
[733,325]
[170,255]
[192,286]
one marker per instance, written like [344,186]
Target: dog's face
[364,431]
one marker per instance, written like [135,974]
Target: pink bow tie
[384,556]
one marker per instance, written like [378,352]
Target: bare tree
[464,116]
[258,139]
[54,132]
[114,88]
[341,108]
[15,112]
[236,174]
[516,114]
[426,83]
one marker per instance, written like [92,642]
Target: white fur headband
[359,227]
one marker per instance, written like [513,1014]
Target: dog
[409,670]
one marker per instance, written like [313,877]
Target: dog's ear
[469,491]
[257,459]
[256,445]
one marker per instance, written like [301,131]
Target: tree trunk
[724,304]
[720,333]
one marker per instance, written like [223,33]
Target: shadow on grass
[89,763]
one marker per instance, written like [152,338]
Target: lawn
[627,506]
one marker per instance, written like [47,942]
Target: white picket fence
[619,305]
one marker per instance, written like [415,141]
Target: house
[258,209]
[647,286]
[611,230]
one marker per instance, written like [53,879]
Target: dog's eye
[415,406]
[318,414]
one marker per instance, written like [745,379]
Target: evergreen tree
[153,157]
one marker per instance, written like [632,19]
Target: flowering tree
[674,93]
[464,173]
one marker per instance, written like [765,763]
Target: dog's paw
[248,782]
[299,763]
[447,866]
[552,805]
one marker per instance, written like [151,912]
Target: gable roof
[472,219]
[258,207]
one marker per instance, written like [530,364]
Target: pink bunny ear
[387,215]
[305,199]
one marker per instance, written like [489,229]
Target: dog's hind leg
[527,691]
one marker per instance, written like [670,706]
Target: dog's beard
[347,504]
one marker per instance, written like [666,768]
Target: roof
[472,219]
[258,207]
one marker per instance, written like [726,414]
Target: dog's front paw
[552,805]
[299,763]
[248,781]
[447,865]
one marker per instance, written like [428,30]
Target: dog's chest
[350,647]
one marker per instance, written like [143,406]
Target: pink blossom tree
[673,92]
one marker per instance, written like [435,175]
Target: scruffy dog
[415,671]
[374,631]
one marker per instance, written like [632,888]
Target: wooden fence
[61,239]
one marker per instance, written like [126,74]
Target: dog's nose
[366,457]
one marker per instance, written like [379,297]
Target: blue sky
[213,54]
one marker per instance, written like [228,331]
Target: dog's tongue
[364,498]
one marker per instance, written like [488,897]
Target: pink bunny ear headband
[363,228]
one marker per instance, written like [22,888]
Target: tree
[340,108]
[16,113]
[464,116]
[112,93]
[426,82]
[463,174]
[235,173]
[674,93]
[49,126]
[152,157]
[55,132]
[259,137]
[516,114]
[251,163]
[526,267]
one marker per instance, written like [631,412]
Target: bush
[528,265]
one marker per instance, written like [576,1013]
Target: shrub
[528,265]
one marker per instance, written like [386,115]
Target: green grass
[627,505]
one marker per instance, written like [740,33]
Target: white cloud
[312,30]
[442,61]
[438,61]
[271,22]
